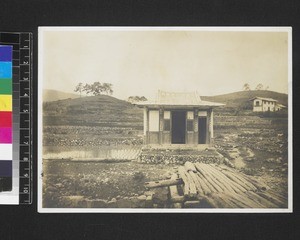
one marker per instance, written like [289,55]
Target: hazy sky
[141,62]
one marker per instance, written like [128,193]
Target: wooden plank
[259,185]
[202,182]
[174,195]
[238,175]
[272,198]
[221,178]
[225,180]
[250,179]
[250,201]
[163,183]
[241,181]
[206,178]
[239,200]
[224,202]
[186,187]
[200,190]
[264,202]
[193,189]
[278,195]
[220,186]
[190,167]
[218,183]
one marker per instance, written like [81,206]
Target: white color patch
[6,152]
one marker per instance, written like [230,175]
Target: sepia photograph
[165,119]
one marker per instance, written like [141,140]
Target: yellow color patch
[5,103]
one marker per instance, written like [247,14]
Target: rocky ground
[257,146]
[91,136]
[92,180]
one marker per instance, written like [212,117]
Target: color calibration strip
[20,96]
[6,130]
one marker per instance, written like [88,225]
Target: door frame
[206,129]
[185,131]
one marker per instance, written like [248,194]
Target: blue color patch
[5,168]
[5,69]
[6,53]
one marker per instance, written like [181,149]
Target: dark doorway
[178,127]
[202,126]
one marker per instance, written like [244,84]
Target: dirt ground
[257,146]
[95,180]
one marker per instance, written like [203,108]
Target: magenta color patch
[5,135]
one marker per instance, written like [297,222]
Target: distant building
[261,104]
[279,106]
[178,118]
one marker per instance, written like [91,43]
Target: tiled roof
[178,99]
[266,99]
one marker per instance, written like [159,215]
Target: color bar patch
[5,135]
[5,119]
[6,168]
[6,54]
[6,106]
[5,103]
[5,69]
[6,151]
[5,86]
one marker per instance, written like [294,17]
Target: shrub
[138,176]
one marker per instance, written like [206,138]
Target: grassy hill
[54,95]
[108,111]
[100,110]
[238,99]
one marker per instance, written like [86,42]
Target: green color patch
[5,86]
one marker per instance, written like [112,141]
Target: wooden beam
[186,187]
[163,183]
[174,195]
[190,167]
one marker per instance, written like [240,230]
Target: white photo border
[43,29]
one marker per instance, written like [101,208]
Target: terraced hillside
[240,100]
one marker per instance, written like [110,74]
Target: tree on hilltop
[246,87]
[107,88]
[133,99]
[87,88]
[79,88]
[259,87]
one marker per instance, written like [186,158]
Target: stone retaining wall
[177,159]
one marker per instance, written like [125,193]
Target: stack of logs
[201,185]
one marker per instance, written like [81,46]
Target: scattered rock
[191,204]
[124,203]
[149,193]
[160,195]
[149,202]
[97,203]
[112,203]
[74,201]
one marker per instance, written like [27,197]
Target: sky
[141,62]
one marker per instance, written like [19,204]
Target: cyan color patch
[5,69]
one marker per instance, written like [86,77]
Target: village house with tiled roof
[178,118]
[261,104]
